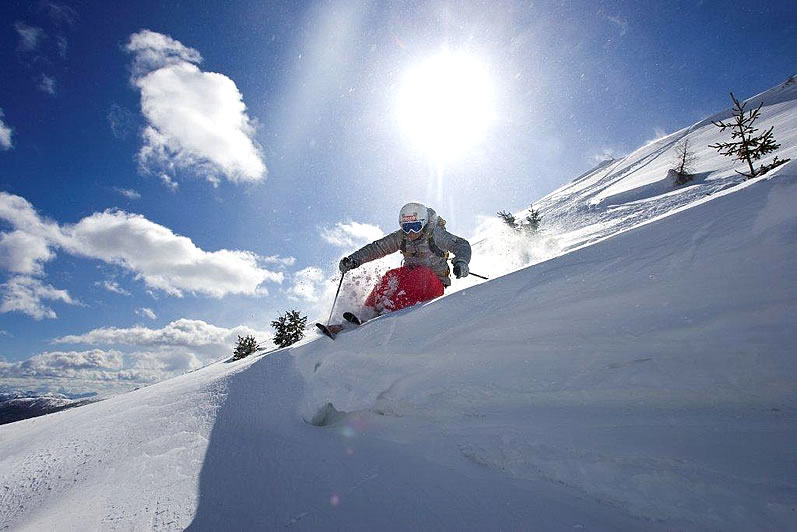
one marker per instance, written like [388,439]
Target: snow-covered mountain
[640,375]
[18,406]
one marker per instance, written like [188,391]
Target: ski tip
[350,317]
[325,330]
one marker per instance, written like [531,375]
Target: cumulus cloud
[182,332]
[153,253]
[197,120]
[5,134]
[351,235]
[182,345]
[146,312]
[166,261]
[27,295]
[24,252]
[64,364]
[94,371]
[117,359]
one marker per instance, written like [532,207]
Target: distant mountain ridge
[17,406]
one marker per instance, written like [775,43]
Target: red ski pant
[404,287]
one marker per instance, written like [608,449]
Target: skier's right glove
[461,269]
[346,264]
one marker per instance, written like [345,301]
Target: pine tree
[529,225]
[508,219]
[289,328]
[684,159]
[245,347]
[748,147]
[534,220]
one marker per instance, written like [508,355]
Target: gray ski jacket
[419,252]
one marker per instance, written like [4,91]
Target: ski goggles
[412,227]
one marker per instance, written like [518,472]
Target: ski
[325,330]
[351,318]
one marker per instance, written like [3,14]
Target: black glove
[346,264]
[461,269]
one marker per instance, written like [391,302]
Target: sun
[445,105]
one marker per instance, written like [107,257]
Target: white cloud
[29,37]
[166,261]
[197,120]
[129,193]
[26,294]
[147,313]
[64,364]
[179,333]
[170,183]
[163,260]
[351,235]
[95,370]
[46,84]
[280,261]
[128,357]
[5,134]
[113,286]
[24,252]
[152,50]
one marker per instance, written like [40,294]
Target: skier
[425,244]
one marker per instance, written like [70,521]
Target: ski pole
[479,276]
[336,298]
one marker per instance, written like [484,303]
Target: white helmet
[413,217]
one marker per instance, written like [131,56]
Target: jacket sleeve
[378,249]
[455,244]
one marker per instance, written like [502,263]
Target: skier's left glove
[461,269]
[346,264]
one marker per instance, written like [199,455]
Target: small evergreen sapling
[289,328]
[684,161]
[528,225]
[534,220]
[245,347]
[508,219]
[747,146]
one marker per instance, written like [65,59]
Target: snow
[638,375]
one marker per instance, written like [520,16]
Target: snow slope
[642,377]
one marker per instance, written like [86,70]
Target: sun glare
[445,105]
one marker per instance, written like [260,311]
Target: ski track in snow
[639,377]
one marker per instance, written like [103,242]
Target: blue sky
[183,172]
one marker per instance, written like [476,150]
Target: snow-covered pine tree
[749,147]
[289,328]
[245,347]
